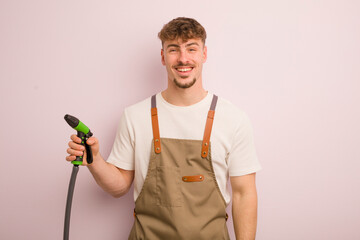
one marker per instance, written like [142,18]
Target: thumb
[92,141]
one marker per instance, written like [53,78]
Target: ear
[205,54]
[162,57]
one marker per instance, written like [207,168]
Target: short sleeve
[122,153]
[242,158]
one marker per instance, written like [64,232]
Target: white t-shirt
[232,146]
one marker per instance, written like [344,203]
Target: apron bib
[180,198]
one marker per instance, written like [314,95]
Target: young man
[180,146]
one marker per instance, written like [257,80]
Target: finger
[74,152]
[75,138]
[92,141]
[70,158]
[73,158]
[76,146]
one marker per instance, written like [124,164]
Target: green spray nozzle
[76,124]
[83,132]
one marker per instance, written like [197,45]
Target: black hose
[69,201]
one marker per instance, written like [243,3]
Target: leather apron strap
[155,125]
[208,127]
[207,132]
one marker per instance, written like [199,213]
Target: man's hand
[76,149]
[113,180]
[244,206]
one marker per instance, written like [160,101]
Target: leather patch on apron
[196,178]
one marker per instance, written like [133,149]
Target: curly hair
[183,28]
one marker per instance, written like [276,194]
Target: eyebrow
[187,45]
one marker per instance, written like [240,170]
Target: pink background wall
[293,66]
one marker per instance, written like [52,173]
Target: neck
[184,96]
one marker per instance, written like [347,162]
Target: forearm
[109,177]
[244,210]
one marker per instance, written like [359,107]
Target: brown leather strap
[196,178]
[207,133]
[208,127]
[155,125]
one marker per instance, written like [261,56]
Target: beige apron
[180,198]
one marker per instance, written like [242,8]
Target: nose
[183,58]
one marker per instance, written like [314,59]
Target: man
[180,146]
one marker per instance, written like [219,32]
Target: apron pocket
[168,187]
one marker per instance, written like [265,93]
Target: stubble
[186,85]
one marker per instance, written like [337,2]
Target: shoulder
[144,104]
[230,111]
[138,109]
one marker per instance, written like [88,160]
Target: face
[184,61]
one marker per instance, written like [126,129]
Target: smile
[184,70]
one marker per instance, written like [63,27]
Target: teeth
[184,69]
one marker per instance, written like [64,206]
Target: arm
[244,206]
[113,180]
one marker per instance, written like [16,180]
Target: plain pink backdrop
[293,66]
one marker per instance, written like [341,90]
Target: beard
[184,85]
